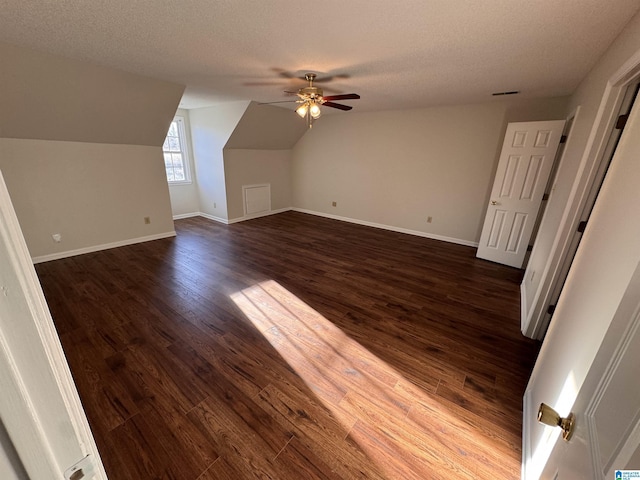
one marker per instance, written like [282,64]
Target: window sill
[186,182]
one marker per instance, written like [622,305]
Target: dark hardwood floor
[295,347]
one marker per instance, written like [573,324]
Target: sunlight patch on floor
[394,421]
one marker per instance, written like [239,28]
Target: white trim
[627,72]
[258,215]
[184,151]
[389,227]
[334,217]
[237,219]
[186,215]
[245,188]
[532,321]
[214,218]
[524,312]
[30,439]
[527,415]
[593,152]
[104,246]
[16,405]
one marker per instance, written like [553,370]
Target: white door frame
[594,152]
[34,370]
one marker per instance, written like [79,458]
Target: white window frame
[184,150]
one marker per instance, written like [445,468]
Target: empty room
[289,240]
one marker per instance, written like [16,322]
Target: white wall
[211,128]
[92,194]
[81,151]
[242,143]
[250,167]
[184,196]
[397,168]
[571,177]
[267,127]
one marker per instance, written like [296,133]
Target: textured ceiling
[401,54]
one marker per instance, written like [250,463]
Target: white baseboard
[186,215]
[97,248]
[234,220]
[214,218]
[131,241]
[334,217]
[389,227]
[258,215]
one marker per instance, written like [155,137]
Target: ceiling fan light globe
[314,111]
[302,110]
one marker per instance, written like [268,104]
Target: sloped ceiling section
[48,97]
[266,127]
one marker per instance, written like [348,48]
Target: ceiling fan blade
[283,73]
[330,78]
[339,106]
[346,96]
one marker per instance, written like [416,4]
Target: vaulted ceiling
[411,53]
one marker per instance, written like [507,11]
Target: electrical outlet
[334,204]
[147,220]
[214,205]
[429,219]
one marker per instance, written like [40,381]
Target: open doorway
[566,133]
[630,95]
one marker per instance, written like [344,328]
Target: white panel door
[527,156]
[39,405]
[607,409]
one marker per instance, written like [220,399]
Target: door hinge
[529,248]
[622,121]
[563,139]
[582,226]
[545,197]
[551,309]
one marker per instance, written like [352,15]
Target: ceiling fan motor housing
[311,92]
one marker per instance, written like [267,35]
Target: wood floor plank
[399,454]
[294,346]
[306,462]
[237,441]
[461,438]
[133,451]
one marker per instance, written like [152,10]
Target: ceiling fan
[311,98]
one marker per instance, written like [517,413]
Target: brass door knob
[494,202]
[549,416]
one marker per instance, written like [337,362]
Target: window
[176,161]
